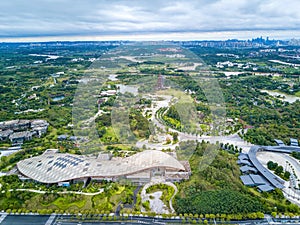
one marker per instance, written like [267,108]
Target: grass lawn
[65,203]
[182,97]
[110,136]
[102,203]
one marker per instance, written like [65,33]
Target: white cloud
[103,17]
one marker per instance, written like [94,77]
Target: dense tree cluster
[296,155]
[215,187]
[219,201]
[278,170]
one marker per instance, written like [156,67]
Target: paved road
[135,192]
[65,220]
[2,217]
[50,220]
[292,160]
[24,220]
[231,139]
[289,193]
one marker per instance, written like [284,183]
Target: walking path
[234,139]
[171,199]
[93,118]
[144,195]
[60,192]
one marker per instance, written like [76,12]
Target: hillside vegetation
[215,188]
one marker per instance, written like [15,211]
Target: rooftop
[294,142]
[246,168]
[279,142]
[23,134]
[246,179]
[55,167]
[265,187]
[243,156]
[274,180]
[257,179]
[244,162]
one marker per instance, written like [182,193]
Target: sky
[148,19]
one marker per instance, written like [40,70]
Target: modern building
[265,180]
[39,126]
[15,125]
[294,142]
[248,169]
[53,167]
[265,188]
[20,137]
[4,135]
[246,179]
[244,162]
[108,93]
[279,142]
[258,181]
[62,137]
[243,156]
[18,131]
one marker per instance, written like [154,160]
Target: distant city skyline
[53,20]
[201,36]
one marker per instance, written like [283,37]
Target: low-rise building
[4,135]
[294,142]
[16,125]
[20,137]
[18,131]
[248,169]
[53,167]
[62,137]
[108,93]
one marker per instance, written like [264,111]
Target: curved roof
[56,167]
[274,180]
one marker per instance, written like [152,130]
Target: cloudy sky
[148,19]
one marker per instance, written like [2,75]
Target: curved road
[234,139]
[273,179]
